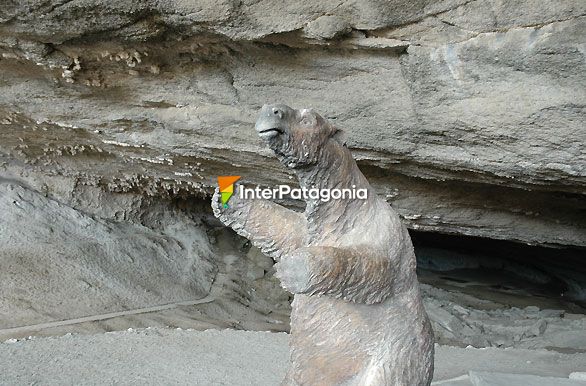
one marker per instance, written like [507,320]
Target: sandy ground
[226,357]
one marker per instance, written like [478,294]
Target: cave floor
[157,356]
[463,312]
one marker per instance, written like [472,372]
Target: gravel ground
[218,357]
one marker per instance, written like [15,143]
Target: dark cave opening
[516,274]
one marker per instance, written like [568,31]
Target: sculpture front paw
[217,206]
[294,271]
[232,214]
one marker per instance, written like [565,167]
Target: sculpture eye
[308,120]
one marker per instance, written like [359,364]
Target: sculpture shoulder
[383,213]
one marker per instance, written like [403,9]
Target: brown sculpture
[357,317]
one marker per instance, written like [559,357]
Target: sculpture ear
[340,136]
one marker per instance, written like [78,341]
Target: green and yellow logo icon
[226,184]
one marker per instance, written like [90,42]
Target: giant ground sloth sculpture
[357,317]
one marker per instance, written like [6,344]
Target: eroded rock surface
[60,263]
[86,260]
[468,116]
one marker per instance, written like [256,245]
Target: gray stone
[463,380]
[480,378]
[327,27]
[259,259]
[579,376]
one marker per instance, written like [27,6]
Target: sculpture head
[298,137]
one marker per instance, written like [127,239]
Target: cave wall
[468,116]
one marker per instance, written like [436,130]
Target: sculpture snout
[272,121]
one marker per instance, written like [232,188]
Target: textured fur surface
[357,317]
